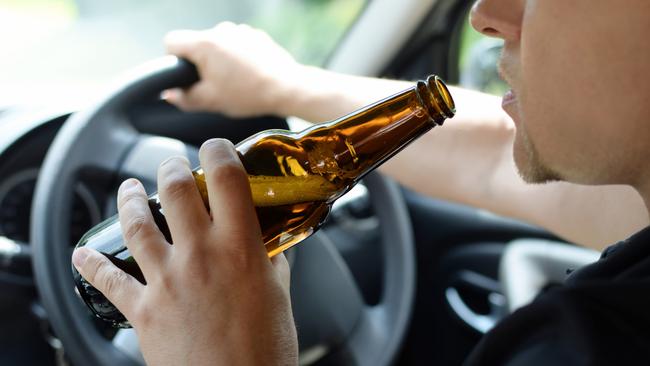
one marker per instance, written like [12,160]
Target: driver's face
[580,71]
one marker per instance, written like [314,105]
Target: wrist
[291,94]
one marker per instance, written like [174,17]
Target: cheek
[549,106]
[549,98]
[575,77]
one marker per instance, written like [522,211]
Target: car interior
[393,277]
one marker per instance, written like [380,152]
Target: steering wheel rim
[101,137]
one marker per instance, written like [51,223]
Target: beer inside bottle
[295,177]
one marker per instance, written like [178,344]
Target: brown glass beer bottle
[295,177]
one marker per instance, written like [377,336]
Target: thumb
[118,286]
[192,99]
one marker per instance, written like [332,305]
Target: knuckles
[104,276]
[93,267]
[198,270]
[205,43]
[197,258]
[226,173]
[201,264]
[112,281]
[176,184]
[136,223]
[142,316]
[168,284]
[132,208]
[130,198]
[239,259]
[133,227]
[221,162]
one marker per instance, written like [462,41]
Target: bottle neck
[363,140]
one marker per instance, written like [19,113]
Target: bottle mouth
[442,95]
[436,98]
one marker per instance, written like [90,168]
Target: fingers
[229,192]
[183,43]
[119,287]
[141,235]
[190,45]
[176,97]
[173,96]
[227,58]
[181,201]
[193,99]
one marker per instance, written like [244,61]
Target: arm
[468,161]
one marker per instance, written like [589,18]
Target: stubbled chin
[520,157]
[528,162]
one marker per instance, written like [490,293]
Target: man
[579,113]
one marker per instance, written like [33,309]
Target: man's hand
[214,297]
[243,71]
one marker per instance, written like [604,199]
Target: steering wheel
[328,306]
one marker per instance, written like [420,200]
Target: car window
[478,59]
[78,43]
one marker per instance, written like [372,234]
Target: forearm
[319,95]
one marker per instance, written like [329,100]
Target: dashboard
[25,136]
[20,162]
[17,189]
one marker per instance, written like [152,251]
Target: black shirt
[601,316]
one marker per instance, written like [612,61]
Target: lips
[507,67]
[508,98]
[509,105]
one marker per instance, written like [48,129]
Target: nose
[498,18]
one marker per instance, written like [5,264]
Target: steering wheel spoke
[371,329]
[102,148]
[322,284]
[148,152]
